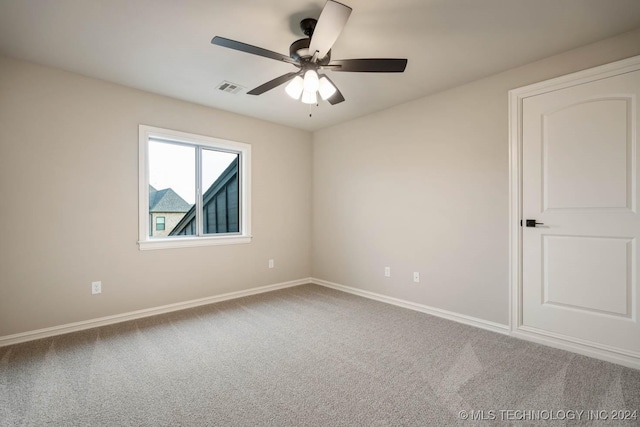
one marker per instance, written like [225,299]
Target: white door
[580,179]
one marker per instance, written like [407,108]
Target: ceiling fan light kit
[295,87]
[312,54]
[311,81]
[309,97]
[325,88]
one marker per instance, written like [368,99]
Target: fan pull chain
[317,105]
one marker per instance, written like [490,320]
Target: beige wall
[424,187]
[69,194]
[419,187]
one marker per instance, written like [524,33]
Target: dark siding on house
[221,213]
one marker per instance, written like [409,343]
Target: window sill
[189,242]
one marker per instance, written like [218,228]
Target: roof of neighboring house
[230,172]
[166,200]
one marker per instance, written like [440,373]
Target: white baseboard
[118,318]
[449,315]
[608,354]
[139,314]
[574,345]
[629,360]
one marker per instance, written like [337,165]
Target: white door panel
[585,155]
[570,282]
[579,178]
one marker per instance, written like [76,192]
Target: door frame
[516,328]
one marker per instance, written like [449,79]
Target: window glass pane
[160,223]
[220,200]
[172,188]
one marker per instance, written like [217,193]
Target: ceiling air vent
[226,86]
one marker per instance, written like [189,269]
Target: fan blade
[254,50]
[337,97]
[272,84]
[369,65]
[332,20]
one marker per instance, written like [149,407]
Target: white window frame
[145,242]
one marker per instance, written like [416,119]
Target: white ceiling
[163,46]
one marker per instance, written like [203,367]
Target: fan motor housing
[299,50]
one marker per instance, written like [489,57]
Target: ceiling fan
[312,54]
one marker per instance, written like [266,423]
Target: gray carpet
[301,356]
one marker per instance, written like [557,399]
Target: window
[195,190]
[160,223]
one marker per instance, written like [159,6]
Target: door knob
[533,223]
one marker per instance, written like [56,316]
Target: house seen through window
[159,220]
[196,187]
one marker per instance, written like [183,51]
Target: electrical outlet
[416,277]
[271,263]
[387,272]
[96,288]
